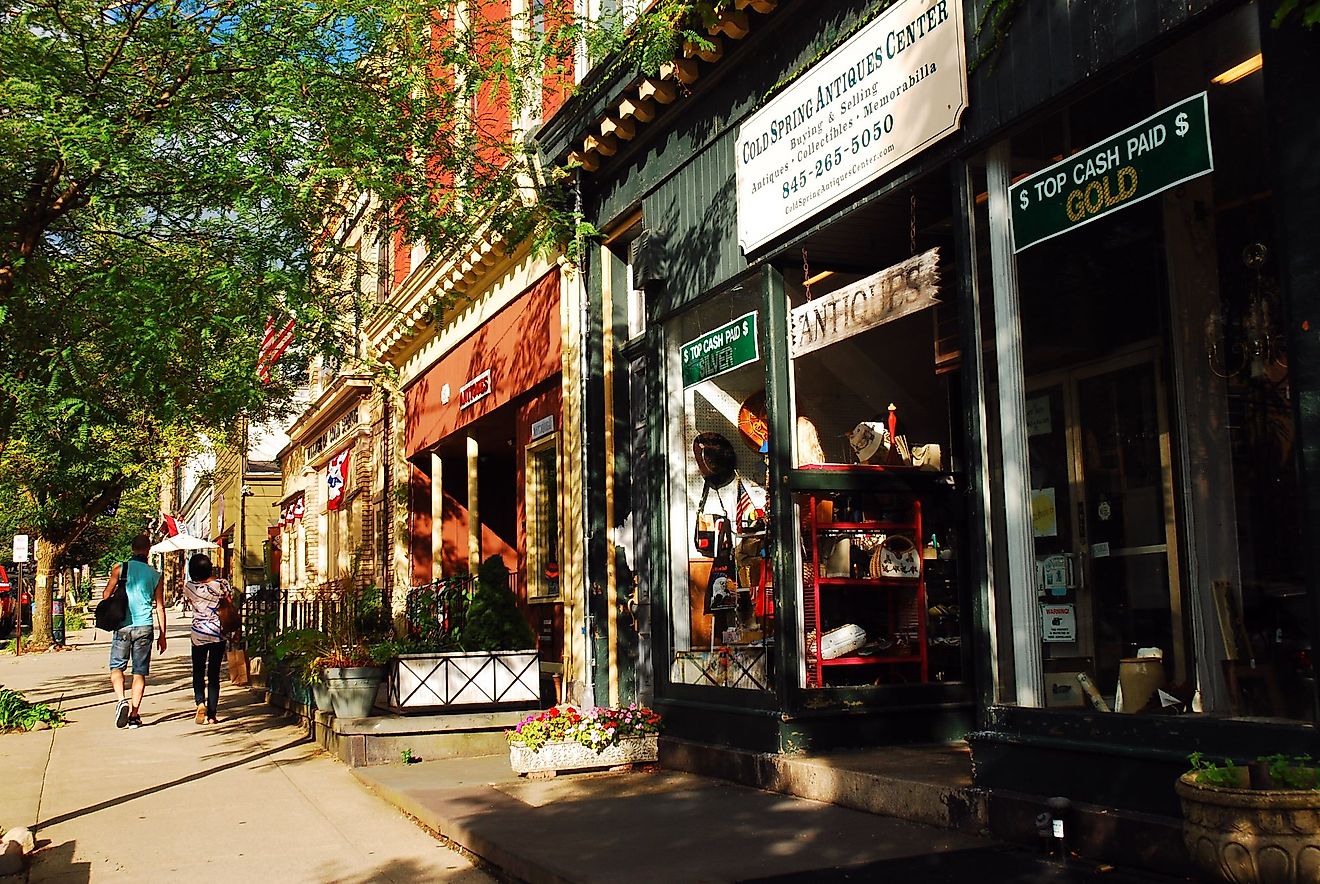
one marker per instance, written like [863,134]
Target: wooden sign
[883,297]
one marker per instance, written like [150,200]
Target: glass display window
[722,608]
[875,356]
[1164,511]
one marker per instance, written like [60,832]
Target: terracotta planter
[1245,836]
[575,756]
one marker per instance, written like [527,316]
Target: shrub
[17,714]
[494,622]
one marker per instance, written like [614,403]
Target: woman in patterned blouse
[203,592]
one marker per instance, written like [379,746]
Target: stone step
[930,784]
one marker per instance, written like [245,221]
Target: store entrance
[1103,521]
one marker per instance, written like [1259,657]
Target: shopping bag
[238,666]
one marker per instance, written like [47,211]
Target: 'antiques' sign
[882,297]
[475,390]
[1160,152]
[719,350]
[887,93]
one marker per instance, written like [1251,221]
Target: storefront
[482,436]
[973,404]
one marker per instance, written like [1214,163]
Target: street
[248,799]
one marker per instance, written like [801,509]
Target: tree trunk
[48,552]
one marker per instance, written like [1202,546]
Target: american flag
[169,524]
[274,342]
[746,514]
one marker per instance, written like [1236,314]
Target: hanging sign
[1160,152]
[475,390]
[882,297]
[719,350]
[884,95]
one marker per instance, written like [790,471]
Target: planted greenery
[18,714]
[494,622]
[1279,771]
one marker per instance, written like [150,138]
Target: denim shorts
[135,640]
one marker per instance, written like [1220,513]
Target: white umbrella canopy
[182,543]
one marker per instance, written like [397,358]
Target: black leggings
[207,655]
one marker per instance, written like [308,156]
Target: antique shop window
[542,501]
[1164,510]
[721,592]
[875,359]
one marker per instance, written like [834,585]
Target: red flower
[554,712]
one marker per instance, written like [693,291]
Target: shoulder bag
[112,611]
[230,622]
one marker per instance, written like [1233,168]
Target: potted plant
[569,739]
[351,659]
[1255,823]
[466,648]
[297,654]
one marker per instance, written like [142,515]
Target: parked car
[6,604]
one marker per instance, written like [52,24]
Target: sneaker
[121,713]
[200,717]
[134,722]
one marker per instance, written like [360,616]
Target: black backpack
[111,612]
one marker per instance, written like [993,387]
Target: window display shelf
[863,661]
[895,582]
[899,610]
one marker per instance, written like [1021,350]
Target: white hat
[868,439]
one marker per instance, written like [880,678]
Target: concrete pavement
[248,799]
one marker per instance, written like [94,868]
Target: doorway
[1103,518]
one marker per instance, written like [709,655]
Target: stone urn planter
[353,689]
[563,756]
[1246,836]
[321,696]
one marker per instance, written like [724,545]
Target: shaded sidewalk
[659,825]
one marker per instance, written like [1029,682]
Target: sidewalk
[667,826]
[249,799]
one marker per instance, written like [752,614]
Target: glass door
[1103,521]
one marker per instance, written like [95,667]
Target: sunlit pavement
[249,799]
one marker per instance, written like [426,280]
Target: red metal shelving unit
[893,588]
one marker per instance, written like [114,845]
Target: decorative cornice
[327,407]
[636,103]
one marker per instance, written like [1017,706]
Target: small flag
[169,525]
[299,507]
[274,342]
[336,473]
[749,518]
[284,516]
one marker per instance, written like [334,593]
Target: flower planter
[574,756]
[468,678]
[321,695]
[353,689]
[1245,836]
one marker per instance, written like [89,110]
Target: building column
[437,517]
[474,512]
[1019,543]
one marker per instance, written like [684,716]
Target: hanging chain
[912,222]
[806,273]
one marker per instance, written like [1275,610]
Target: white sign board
[20,548]
[1059,623]
[882,297]
[544,427]
[884,95]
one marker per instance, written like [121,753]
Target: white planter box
[464,678]
[575,756]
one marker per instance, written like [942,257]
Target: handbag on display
[112,611]
[708,527]
[896,556]
[722,587]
